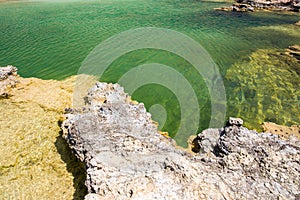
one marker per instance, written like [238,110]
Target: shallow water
[50,40]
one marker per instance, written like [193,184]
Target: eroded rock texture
[283,131]
[8,80]
[257,5]
[126,157]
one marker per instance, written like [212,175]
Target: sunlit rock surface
[35,161]
[126,157]
[8,80]
[283,131]
[256,5]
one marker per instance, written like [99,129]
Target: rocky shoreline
[259,5]
[123,154]
[35,161]
[127,158]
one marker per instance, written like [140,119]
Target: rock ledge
[126,157]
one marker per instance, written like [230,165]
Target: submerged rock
[265,88]
[237,7]
[127,158]
[294,51]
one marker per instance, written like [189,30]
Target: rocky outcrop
[256,5]
[238,7]
[276,5]
[8,80]
[126,157]
[124,154]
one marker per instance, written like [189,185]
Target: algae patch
[35,163]
[266,87]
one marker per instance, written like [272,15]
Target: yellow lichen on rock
[48,94]
[283,131]
[166,134]
[35,162]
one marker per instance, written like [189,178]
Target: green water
[50,40]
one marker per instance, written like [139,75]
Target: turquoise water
[50,40]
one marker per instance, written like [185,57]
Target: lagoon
[51,39]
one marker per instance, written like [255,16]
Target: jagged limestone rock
[257,5]
[7,71]
[8,80]
[126,157]
[235,121]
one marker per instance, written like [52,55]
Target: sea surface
[51,39]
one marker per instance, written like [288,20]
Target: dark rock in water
[294,51]
[8,80]
[241,7]
[237,7]
[126,157]
[296,5]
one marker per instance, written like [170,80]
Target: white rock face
[8,80]
[126,157]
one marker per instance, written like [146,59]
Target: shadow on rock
[74,166]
